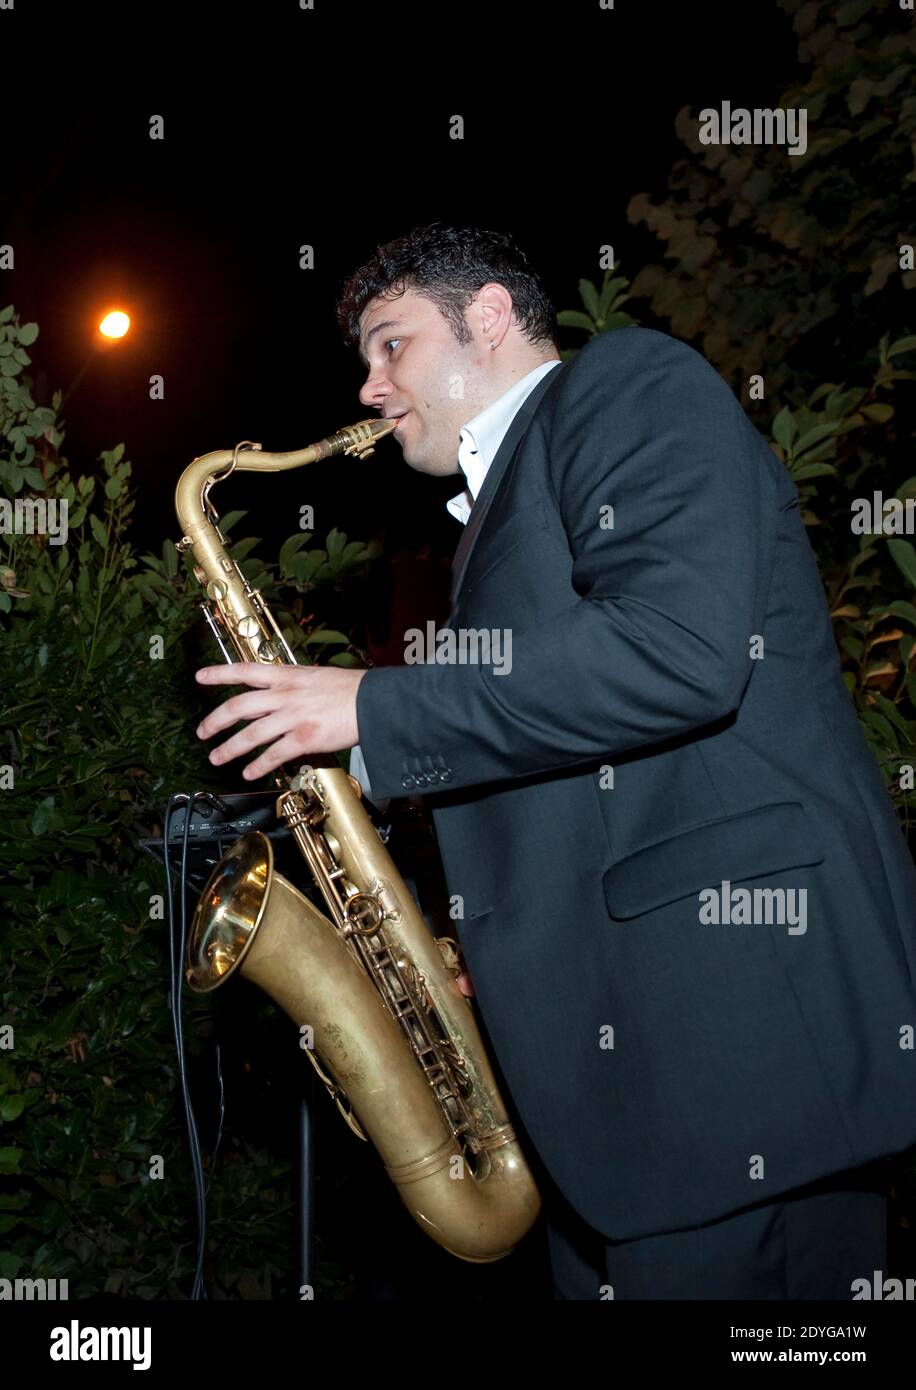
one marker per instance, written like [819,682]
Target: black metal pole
[306,1183]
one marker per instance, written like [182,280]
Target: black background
[331,129]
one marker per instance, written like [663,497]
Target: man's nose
[375,391]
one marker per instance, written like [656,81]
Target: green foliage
[603,308]
[97,717]
[786,272]
[838,446]
[776,262]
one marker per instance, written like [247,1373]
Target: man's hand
[296,709]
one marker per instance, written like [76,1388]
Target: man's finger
[252,736]
[284,750]
[248,706]
[260,673]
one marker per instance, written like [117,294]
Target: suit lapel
[495,474]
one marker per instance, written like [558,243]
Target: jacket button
[407,782]
[445,774]
[422,779]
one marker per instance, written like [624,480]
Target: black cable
[178,939]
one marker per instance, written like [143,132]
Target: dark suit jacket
[734,1046]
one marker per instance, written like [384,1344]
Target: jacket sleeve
[654,641]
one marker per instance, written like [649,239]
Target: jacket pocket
[754,843]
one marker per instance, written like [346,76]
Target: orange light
[114,325]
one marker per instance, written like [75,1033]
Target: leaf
[881,726]
[231,519]
[879,668]
[827,430]
[335,542]
[608,292]
[902,345]
[905,558]
[28,333]
[893,714]
[900,609]
[812,470]
[98,530]
[239,549]
[860,94]
[305,566]
[354,552]
[326,634]
[290,547]
[590,298]
[784,429]
[574,318]
[879,412]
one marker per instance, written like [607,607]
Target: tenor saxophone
[381,1019]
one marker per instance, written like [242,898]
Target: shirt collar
[481,437]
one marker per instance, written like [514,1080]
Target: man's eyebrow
[377,328]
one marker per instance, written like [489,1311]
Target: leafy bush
[793,273]
[96,730]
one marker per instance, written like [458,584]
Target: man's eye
[391,340]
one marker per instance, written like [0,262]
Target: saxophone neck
[195,482]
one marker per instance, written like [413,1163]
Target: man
[687,904]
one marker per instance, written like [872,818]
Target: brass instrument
[384,1024]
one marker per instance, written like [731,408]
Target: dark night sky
[198,235]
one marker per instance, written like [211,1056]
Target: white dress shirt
[479,443]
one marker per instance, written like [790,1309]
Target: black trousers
[810,1243]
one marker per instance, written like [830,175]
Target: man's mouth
[399,417]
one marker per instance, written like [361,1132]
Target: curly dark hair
[449,265]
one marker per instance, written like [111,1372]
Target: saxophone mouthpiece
[383,427]
[359,439]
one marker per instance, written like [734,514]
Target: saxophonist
[688,907]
